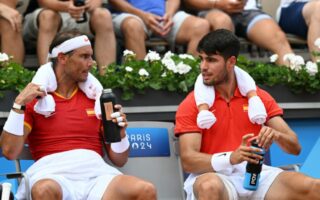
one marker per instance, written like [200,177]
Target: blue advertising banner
[148,142]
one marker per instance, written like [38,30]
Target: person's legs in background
[218,19]
[265,32]
[105,42]
[132,30]
[11,38]
[311,15]
[49,23]
[189,31]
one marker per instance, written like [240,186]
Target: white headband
[69,45]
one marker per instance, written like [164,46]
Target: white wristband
[14,123]
[122,146]
[220,163]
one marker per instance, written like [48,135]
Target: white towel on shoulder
[205,119]
[206,95]
[244,80]
[256,110]
[203,94]
[46,78]
[93,90]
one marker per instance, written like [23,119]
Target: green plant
[174,73]
[12,75]
[298,78]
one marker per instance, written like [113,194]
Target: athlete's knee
[46,188]
[144,190]
[208,185]
[312,189]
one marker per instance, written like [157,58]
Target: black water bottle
[78,3]
[111,129]
[252,175]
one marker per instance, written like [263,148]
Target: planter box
[152,98]
[161,105]
[302,105]
[7,98]
[282,94]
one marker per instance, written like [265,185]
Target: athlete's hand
[267,136]
[120,118]
[245,153]
[30,92]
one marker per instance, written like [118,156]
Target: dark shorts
[245,20]
[292,21]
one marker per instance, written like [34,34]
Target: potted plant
[174,75]
[13,78]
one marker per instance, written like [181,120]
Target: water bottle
[78,3]
[111,129]
[5,191]
[252,175]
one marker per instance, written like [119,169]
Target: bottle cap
[252,140]
[108,90]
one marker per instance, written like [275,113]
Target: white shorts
[178,19]
[81,173]
[30,26]
[234,183]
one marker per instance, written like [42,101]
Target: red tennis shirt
[232,120]
[72,126]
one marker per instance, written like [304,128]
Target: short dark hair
[222,42]
[62,37]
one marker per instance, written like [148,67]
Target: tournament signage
[148,142]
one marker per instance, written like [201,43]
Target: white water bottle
[6,189]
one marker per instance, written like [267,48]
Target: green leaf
[161,77]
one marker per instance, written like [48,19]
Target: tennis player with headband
[67,145]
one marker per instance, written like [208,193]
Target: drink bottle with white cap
[5,191]
[110,128]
